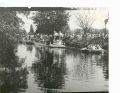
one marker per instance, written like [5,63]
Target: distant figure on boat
[55,36]
[60,35]
[57,40]
[51,38]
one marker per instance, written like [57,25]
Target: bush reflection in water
[52,70]
[49,69]
[13,78]
[55,70]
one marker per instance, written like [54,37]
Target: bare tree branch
[85,20]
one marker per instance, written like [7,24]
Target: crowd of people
[50,39]
[62,38]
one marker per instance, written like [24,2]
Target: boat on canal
[92,49]
[38,44]
[29,42]
[57,40]
[57,44]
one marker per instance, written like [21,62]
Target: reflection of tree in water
[106,67]
[12,76]
[40,52]
[50,70]
[82,68]
[29,48]
[72,52]
[85,67]
[104,62]
[84,64]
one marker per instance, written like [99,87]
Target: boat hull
[56,46]
[91,51]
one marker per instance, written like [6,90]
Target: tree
[49,21]
[85,21]
[106,21]
[31,29]
[10,25]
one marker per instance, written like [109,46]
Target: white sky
[99,15]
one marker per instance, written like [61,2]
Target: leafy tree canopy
[10,25]
[50,21]
[31,29]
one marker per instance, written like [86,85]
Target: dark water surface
[31,69]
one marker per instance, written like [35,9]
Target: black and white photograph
[54,49]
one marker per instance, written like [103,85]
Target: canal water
[51,70]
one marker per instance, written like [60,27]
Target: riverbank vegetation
[49,21]
[10,28]
[96,37]
[12,75]
[10,33]
[53,20]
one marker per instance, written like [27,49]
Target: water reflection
[52,70]
[85,64]
[84,71]
[13,78]
[29,48]
[103,62]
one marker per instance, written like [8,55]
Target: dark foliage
[50,21]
